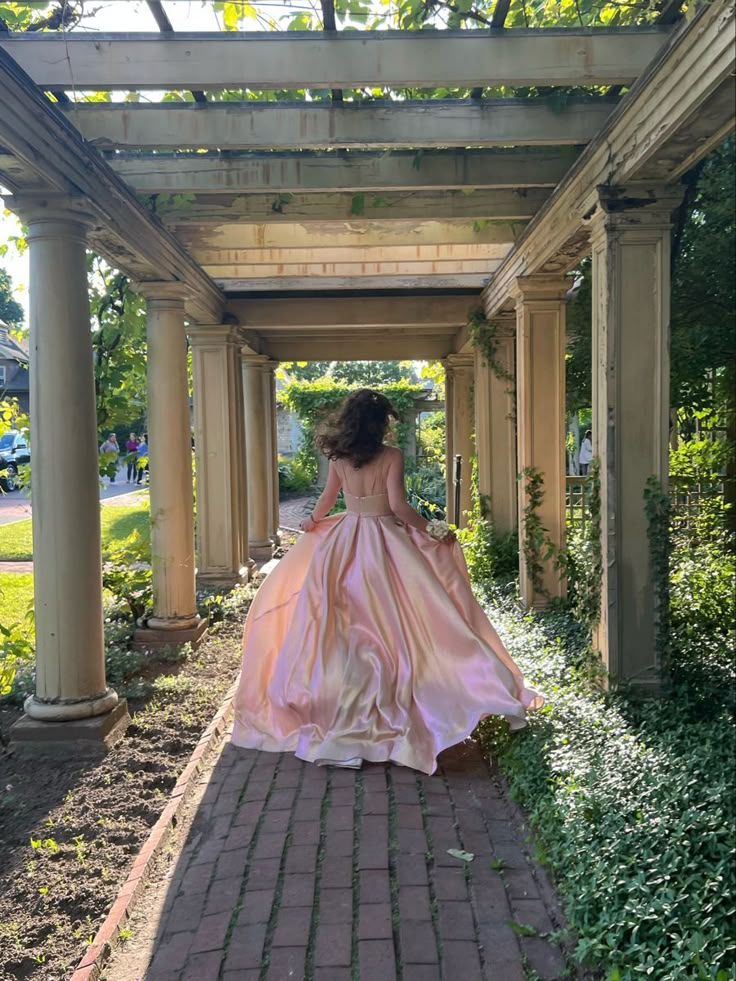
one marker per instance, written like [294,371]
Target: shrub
[297,474]
[492,557]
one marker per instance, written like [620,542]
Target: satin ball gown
[366,643]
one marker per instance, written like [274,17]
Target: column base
[223,580]
[93,735]
[261,551]
[155,637]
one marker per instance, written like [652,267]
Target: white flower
[438,529]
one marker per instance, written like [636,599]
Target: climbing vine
[585,557]
[657,510]
[536,545]
[484,337]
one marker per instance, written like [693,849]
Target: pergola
[346,230]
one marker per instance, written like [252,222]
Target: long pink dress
[367,643]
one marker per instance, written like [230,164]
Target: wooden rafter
[274,126]
[353,59]
[677,112]
[165,25]
[358,171]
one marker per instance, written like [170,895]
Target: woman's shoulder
[392,453]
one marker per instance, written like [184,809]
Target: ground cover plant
[630,799]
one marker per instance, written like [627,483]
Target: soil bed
[70,831]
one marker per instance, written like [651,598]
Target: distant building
[13,369]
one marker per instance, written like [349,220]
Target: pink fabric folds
[366,641]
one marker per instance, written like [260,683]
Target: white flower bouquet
[438,529]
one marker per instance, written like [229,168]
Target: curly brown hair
[357,432]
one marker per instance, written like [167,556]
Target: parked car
[14,450]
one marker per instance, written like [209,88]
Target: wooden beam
[36,134]
[354,59]
[411,347]
[328,284]
[214,259]
[212,209]
[397,170]
[649,133]
[347,235]
[284,126]
[336,313]
[351,270]
[165,25]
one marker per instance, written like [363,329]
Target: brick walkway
[293,510]
[296,872]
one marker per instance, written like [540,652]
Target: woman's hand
[308,523]
[449,538]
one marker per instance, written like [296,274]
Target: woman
[366,642]
[586,453]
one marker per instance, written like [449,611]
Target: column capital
[211,335]
[459,362]
[250,360]
[631,207]
[172,292]
[504,323]
[33,208]
[541,288]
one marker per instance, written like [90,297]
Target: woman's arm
[325,501]
[397,495]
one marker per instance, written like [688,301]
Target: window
[3,375]
[3,333]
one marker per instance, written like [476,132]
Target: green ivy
[484,337]
[657,508]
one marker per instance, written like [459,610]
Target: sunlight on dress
[367,643]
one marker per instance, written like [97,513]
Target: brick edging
[90,966]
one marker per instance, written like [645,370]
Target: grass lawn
[16,592]
[16,540]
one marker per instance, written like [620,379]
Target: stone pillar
[459,395]
[449,442]
[258,430]
[272,450]
[72,705]
[175,619]
[540,414]
[495,426]
[631,312]
[219,442]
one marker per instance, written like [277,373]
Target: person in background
[110,446]
[586,453]
[131,455]
[142,457]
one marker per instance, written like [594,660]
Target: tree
[11,312]
[119,345]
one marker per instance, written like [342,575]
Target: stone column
[175,619]
[631,312]
[72,704]
[272,454]
[459,368]
[449,442]
[258,429]
[219,442]
[495,426]
[540,413]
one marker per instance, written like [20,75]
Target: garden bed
[68,834]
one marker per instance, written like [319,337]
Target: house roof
[10,350]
